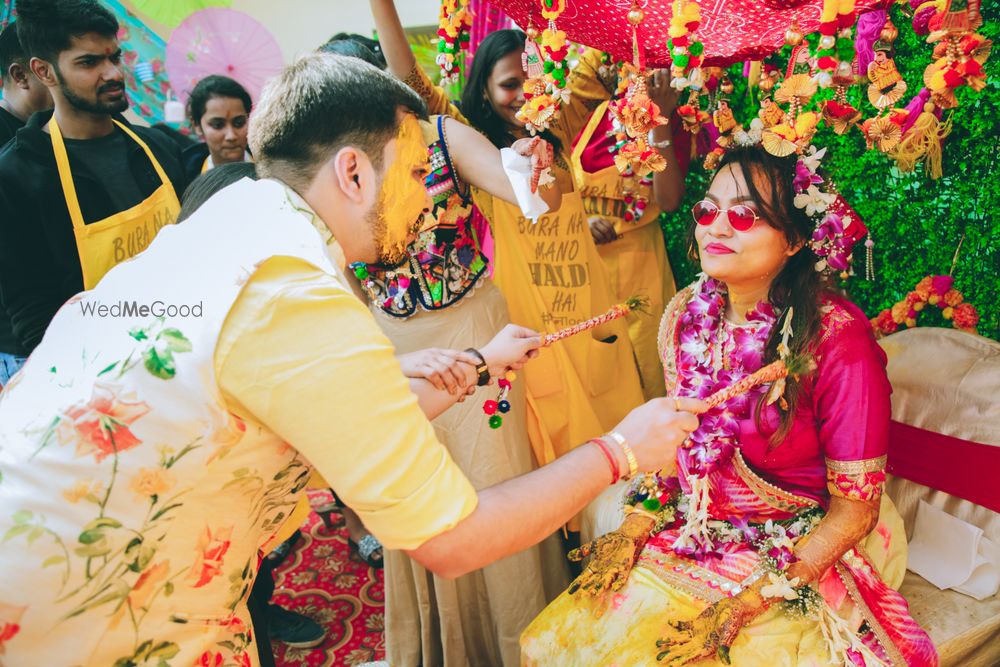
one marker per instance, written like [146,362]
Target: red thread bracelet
[612,463]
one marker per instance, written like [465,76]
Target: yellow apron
[552,277]
[637,262]
[104,243]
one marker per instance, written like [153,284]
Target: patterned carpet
[325,580]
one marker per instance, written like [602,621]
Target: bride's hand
[614,554]
[712,632]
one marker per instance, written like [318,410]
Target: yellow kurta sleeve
[437,100]
[302,356]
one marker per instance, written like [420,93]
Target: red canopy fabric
[731,30]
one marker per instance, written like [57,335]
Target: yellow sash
[602,190]
[104,243]
[552,277]
[637,262]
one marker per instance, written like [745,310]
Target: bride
[771,543]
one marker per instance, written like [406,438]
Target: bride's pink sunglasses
[741,217]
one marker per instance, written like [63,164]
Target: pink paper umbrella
[221,41]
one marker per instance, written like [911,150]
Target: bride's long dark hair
[799,285]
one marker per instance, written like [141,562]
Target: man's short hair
[46,27]
[320,104]
[10,50]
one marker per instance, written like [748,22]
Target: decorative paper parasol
[172,12]
[731,30]
[221,41]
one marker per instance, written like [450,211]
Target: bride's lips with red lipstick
[718,249]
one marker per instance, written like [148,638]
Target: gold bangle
[633,465]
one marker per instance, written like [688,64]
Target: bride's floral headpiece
[781,133]
[838,226]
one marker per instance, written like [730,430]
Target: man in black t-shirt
[46,253]
[23,95]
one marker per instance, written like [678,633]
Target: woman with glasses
[770,543]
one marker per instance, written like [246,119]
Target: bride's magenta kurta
[843,413]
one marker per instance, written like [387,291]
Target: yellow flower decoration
[554,40]
[800,86]
[686,12]
[537,112]
[677,30]
[551,9]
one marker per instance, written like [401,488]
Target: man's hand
[449,370]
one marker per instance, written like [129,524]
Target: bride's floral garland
[711,360]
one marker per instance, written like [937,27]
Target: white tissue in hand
[518,168]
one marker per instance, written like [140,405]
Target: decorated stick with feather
[633,304]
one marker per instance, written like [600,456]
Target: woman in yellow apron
[624,217]
[549,271]
[104,243]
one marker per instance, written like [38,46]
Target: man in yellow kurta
[168,421]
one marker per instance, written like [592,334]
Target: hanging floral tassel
[453,33]
[545,91]
[922,143]
[686,54]
[636,114]
[836,20]
[842,642]
[621,310]
[695,536]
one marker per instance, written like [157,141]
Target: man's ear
[19,75]
[45,71]
[354,173]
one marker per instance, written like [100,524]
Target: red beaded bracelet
[612,461]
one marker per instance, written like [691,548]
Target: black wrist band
[482,369]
